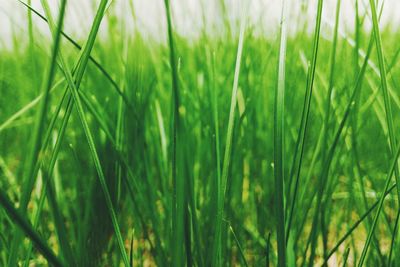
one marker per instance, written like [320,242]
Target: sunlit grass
[227,149]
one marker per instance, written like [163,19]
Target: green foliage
[228,149]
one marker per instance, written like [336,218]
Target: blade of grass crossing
[60,227]
[393,165]
[103,125]
[389,118]
[42,196]
[26,227]
[85,125]
[65,248]
[67,98]
[28,175]
[354,226]
[26,108]
[77,46]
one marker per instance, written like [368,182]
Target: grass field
[228,149]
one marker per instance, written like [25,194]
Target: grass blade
[317,31]
[279,147]
[6,124]
[345,257]
[217,250]
[178,199]
[393,165]
[27,228]
[239,246]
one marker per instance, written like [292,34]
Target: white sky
[187,15]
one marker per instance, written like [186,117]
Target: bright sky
[187,15]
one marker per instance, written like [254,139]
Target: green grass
[29,176]
[279,142]
[233,148]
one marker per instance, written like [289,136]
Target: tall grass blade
[217,249]
[178,199]
[279,147]
[317,31]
